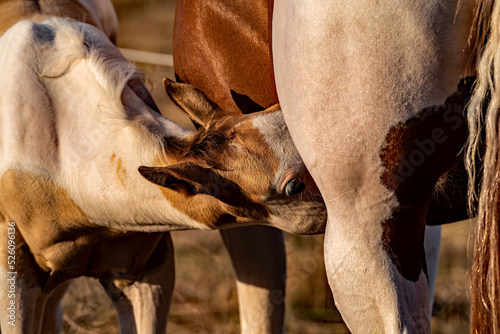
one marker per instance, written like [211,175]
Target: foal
[88,165]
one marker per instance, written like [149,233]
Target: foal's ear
[187,178]
[191,100]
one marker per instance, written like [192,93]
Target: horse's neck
[66,134]
[100,154]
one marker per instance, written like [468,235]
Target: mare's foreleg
[259,260]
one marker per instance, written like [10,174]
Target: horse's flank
[370,67]
[242,33]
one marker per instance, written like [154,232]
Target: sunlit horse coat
[99,13]
[223,47]
[77,125]
[367,93]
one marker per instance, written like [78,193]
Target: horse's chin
[299,217]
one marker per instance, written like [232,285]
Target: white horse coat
[348,74]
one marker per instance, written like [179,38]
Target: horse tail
[483,117]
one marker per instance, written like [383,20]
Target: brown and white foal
[88,165]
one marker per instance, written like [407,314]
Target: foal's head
[237,169]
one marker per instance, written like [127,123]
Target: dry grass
[451,301]
[205,298]
[205,294]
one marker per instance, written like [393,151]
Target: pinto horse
[223,47]
[367,91]
[92,175]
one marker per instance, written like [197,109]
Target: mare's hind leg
[53,314]
[142,306]
[259,260]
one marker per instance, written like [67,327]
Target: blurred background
[205,299]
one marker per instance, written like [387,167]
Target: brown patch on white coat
[415,154]
[121,172]
[56,241]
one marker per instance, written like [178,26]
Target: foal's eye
[294,187]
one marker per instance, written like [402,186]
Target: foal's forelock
[208,145]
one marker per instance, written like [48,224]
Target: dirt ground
[205,298]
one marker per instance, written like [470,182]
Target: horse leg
[21,294]
[432,243]
[143,305]
[23,303]
[259,261]
[53,313]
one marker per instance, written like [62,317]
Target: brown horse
[222,47]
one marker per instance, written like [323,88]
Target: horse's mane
[75,41]
[483,116]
